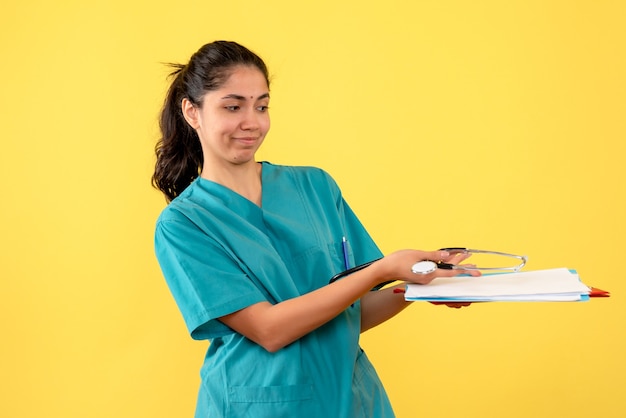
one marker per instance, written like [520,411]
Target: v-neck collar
[238,203]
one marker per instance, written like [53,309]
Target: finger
[475,273]
[455,272]
[436,255]
[469,269]
[461,269]
[457,305]
[425,278]
[457,258]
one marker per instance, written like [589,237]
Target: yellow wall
[497,124]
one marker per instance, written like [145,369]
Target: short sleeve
[362,246]
[205,280]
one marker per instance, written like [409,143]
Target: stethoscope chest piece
[424,267]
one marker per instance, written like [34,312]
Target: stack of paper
[555,285]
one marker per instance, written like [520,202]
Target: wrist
[380,273]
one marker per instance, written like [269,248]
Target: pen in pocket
[346,257]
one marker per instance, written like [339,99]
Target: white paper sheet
[539,285]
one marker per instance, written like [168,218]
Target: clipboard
[552,285]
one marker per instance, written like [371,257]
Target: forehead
[245,79]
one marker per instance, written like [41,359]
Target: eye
[233,108]
[263,108]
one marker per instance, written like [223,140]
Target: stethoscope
[428,266]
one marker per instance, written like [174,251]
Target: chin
[243,159]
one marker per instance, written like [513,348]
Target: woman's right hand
[397,265]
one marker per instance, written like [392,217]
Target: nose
[251,120]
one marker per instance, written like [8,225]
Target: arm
[275,326]
[379,306]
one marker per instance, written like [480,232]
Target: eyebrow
[240,97]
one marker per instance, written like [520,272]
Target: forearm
[379,306]
[275,326]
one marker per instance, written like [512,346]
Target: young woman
[248,248]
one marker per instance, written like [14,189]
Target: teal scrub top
[220,253]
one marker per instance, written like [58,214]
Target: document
[553,285]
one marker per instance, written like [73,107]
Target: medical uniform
[220,253]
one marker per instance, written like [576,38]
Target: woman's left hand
[455,305]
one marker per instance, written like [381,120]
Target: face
[233,120]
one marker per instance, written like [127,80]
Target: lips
[247,140]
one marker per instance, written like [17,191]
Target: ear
[190,112]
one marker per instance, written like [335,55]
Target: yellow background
[489,124]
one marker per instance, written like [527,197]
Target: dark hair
[179,156]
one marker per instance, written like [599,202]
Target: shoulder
[313,176]
[187,206]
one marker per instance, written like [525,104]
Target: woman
[248,248]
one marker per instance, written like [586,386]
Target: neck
[244,179]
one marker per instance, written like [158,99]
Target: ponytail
[178,151]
